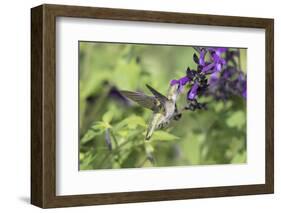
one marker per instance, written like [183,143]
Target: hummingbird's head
[173,92]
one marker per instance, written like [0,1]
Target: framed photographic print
[136,106]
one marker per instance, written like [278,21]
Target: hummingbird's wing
[144,100]
[162,98]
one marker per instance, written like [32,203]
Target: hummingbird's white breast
[169,112]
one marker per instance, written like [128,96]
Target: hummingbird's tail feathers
[149,134]
[150,131]
[147,137]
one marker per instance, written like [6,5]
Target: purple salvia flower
[218,61]
[220,50]
[181,82]
[243,81]
[213,79]
[202,57]
[208,67]
[223,82]
[191,95]
[228,73]
[173,82]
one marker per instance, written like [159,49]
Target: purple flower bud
[181,82]
[218,61]
[193,91]
[202,58]
[173,82]
[213,79]
[220,50]
[208,67]
[218,67]
[184,80]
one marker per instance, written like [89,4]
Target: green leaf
[123,133]
[148,148]
[86,161]
[81,156]
[239,158]
[163,136]
[107,117]
[135,121]
[219,106]
[131,122]
[131,160]
[93,85]
[237,119]
[97,129]
[191,148]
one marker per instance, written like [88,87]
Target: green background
[213,136]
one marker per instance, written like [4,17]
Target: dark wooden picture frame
[43,105]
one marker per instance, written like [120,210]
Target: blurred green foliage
[112,131]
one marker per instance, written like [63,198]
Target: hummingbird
[164,107]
